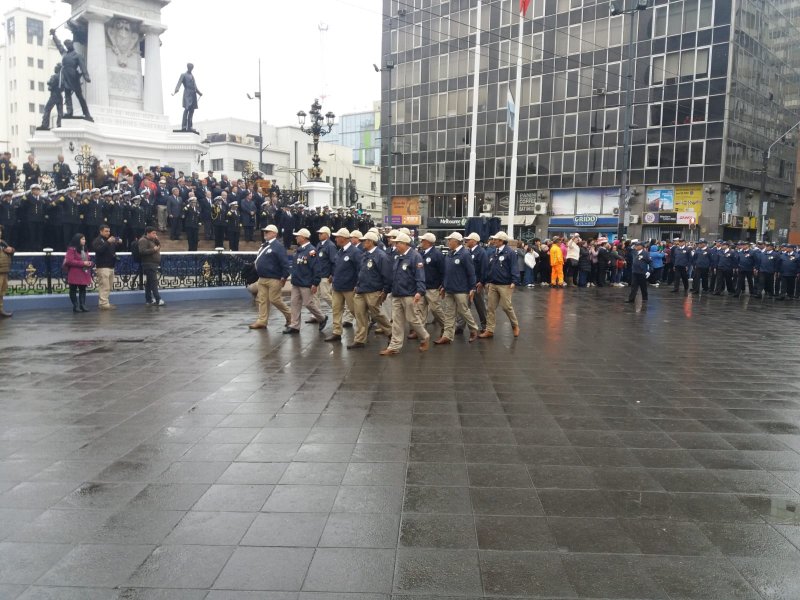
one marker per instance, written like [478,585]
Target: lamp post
[764,163]
[389,66]
[616,9]
[257,96]
[320,125]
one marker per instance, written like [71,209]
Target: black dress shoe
[355,345]
[347,325]
[290,331]
[323,323]
[309,321]
[6,315]
[629,301]
[459,330]
[333,338]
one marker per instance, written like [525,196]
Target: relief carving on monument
[123,37]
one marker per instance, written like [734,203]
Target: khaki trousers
[500,295]
[431,303]
[457,306]
[269,294]
[3,287]
[303,298]
[341,301]
[105,281]
[324,293]
[405,311]
[366,306]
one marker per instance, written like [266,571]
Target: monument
[117,42]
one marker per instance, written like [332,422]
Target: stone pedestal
[319,193]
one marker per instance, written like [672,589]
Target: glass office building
[715,83]
[360,131]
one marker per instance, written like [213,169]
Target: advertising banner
[407,209]
[689,198]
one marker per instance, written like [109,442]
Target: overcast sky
[224,40]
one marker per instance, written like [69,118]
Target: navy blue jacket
[480,262]
[272,262]
[345,271]
[459,272]
[640,262]
[789,266]
[682,257]
[502,269]
[727,260]
[376,273]
[769,262]
[715,252]
[702,258]
[326,258]
[408,274]
[748,260]
[434,268]
[304,267]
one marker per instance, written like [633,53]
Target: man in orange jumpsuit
[556,265]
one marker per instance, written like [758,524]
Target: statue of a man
[56,99]
[73,68]
[190,94]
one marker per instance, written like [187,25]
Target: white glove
[647,275]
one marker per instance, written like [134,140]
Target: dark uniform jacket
[376,272]
[304,266]
[272,262]
[702,258]
[326,258]
[459,272]
[727,260]
[640,262]
[434,267]
[502,268]
[408,276]
[345,271]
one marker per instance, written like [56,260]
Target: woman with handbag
[79,272]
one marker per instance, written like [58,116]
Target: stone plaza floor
[609,452]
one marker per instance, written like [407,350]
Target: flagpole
[512,196]
[473,142]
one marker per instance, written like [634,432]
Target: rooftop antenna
[323,35]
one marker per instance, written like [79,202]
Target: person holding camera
[105,258]
[150,253]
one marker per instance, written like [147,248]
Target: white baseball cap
[303,233]
[324,229]
[429,237]
[402,237]
[500,235]
[342,233]
[456,236]
[271,228]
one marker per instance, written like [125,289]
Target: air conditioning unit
[540,208]
[634,219]
[615,211]
[725,218]
[487,207]
[599,91]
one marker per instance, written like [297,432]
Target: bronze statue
[190,94]
[73,68]
[56,100]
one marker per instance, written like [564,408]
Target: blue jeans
[583,278]
[528,279]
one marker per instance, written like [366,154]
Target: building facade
[27,58]
[715,83]
[360,131]
[287,154]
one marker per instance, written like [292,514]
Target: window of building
[267,168]
[216,164]
[697,152]
[35,31]
[40,64]
[11,29]
[32,130]
[41,86]
[652,155]
[31,107]
[239,164]
[41,109]
[30,61]
[32,84]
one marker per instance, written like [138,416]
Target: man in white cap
[345,276]
[272,266]
[326,259]
[433,259]
[408,289]
[458,287]
[501,279]
[481,264]
[374,284]
[305,280]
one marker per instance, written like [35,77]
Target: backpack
[135,251]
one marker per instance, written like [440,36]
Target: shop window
[697,152]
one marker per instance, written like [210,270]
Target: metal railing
[35,273]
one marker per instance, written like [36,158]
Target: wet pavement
[609,452]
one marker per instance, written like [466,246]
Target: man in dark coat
[190,94]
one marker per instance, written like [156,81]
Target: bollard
[48,269]
[219,265]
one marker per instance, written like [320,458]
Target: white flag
[511,109]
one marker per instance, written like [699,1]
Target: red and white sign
[687,218]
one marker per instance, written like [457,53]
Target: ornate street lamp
[86,162]
[319,126]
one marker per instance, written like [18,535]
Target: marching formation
[389,283]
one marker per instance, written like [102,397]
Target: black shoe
[674,290]
[6,315]
[459,330]
[290,331]
[309,321]
[629,301]
[75,308]
[347,325]
[333,338]
[694,292]
[355,345]
[323,323]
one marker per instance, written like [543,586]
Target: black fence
[41,272]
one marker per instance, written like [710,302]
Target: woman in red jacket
[79,272]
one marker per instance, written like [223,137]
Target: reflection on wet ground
[609,452]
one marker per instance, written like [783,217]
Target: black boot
[73,296]
[82,294]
